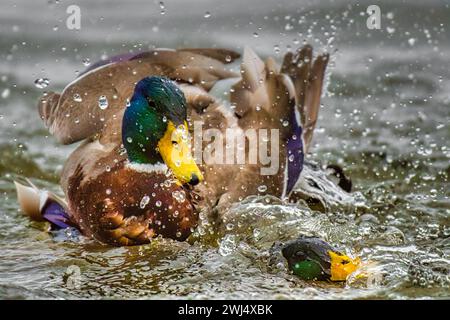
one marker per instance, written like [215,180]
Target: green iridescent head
[155,131]
[311,258]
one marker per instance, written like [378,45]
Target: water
[385,118]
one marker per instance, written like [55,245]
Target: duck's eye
[150,102]
[174,143]
[301,255]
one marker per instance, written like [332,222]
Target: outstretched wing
[307,76]
[98,97]
[264,98]
[286,98]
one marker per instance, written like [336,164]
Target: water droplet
[285,123]
[230,226]
[162,7]
[180,196]
[158,203]
[207,15]
[164,119]
[86,62]
[41,83]
[5,93]
[411,41]
[288,27]
[129,139]
[255,34]
[228,58]
[262,188]
[103,102]
[291,158]
[77,98]
[330,41]
[108,191]
[144,201]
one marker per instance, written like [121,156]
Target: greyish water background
[385,118]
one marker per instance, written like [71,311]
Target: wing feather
[75,114]
[308,77]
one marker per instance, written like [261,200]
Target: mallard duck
[133,176]
[311,258]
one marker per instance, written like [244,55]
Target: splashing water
[41,83]
[384,119]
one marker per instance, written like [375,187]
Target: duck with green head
[141,199]
[136,198]
[311,258]
[155,131]
[125,197]
[133,176]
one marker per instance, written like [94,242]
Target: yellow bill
[342,266]
[175,150]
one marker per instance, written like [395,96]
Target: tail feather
[40,205]
[29,201]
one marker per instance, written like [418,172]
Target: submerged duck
[133,177]
[311,258]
